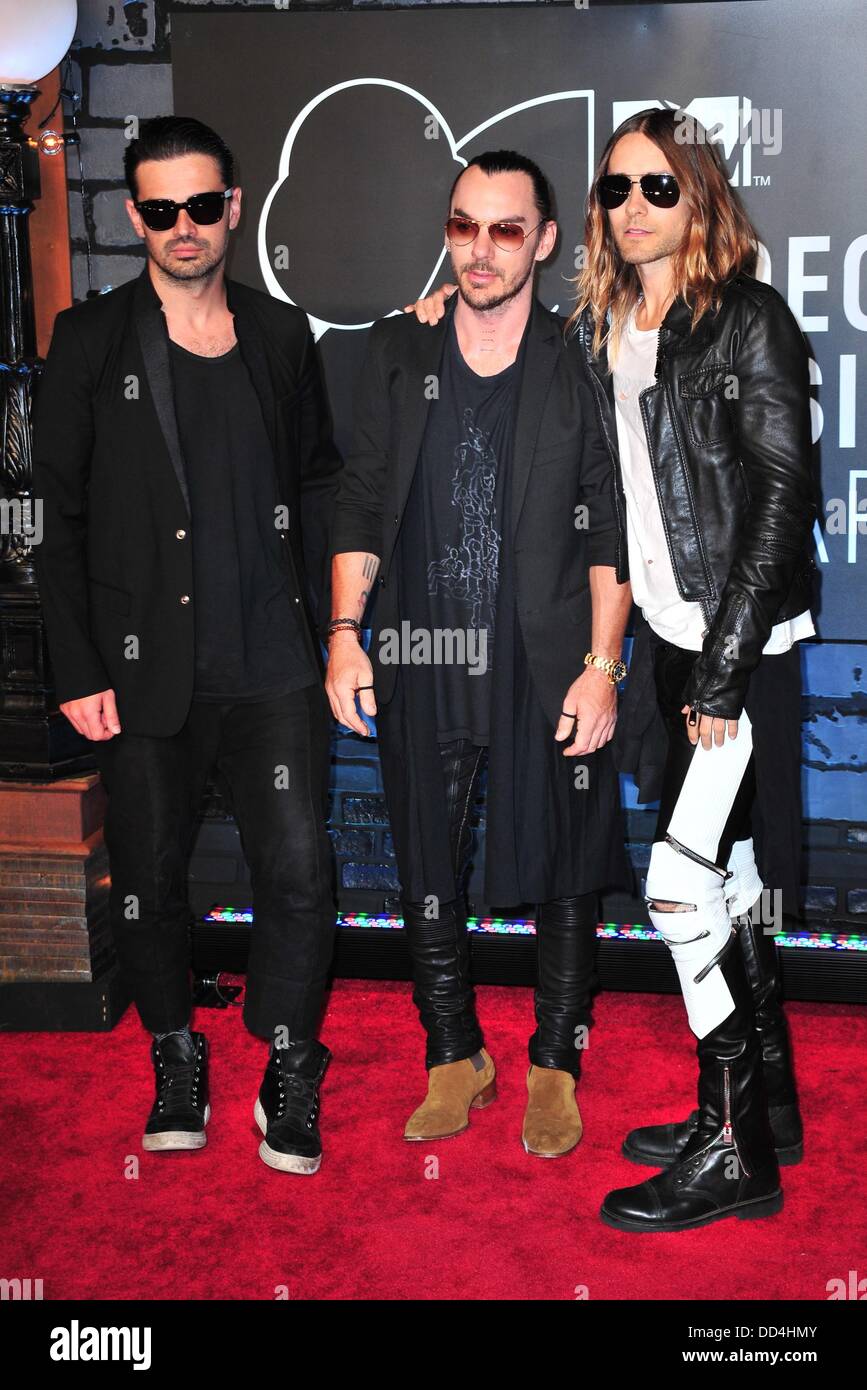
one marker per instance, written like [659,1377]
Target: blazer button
[395,518]
[185,598]
[179,534]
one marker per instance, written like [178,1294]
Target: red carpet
[495,1223]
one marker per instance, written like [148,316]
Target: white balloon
[34,36]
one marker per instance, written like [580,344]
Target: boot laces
[178,1086]
[298,1105]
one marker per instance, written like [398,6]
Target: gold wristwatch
[614,670]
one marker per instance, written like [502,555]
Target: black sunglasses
[662,190]
[162,213]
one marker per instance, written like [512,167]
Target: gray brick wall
[122,67]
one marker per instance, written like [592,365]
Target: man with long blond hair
[700,376]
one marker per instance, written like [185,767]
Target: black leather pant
[437,934]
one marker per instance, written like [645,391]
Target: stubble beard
[638,253]
[191,270]
[485,300]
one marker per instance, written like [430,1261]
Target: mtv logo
[731,114]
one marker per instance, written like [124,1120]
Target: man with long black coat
[475,503]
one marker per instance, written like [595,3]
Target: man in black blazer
[184,457]
[477,494]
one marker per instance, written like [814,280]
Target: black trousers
[566,942]
[275,757]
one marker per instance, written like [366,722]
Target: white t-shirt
[654,589]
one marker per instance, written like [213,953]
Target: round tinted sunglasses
[462,231]
[660,190]
[162,213]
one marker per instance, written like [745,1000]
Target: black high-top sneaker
[728,1166]
[181,1110]
[288,1105]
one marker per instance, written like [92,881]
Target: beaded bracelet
[337,624]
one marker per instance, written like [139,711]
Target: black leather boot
[763,969]
[728,1166]
[287,1107]
[657,1146]
[566,945]
[180,1110]
[443,995]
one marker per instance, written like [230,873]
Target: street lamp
[35,742]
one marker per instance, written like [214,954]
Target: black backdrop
[349,127]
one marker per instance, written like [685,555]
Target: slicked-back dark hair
[169,137]
[510,162]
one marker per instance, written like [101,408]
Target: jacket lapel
[603,386]
[429,344]
[541,352]
[255,358]
[154,341]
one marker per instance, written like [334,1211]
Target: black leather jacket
[728,426]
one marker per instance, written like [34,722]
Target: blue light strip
[504,926]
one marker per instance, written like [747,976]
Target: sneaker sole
[284,1163]
[177,1138]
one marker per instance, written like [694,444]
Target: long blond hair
[720,240]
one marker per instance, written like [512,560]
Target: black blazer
[116,559]
[559,463]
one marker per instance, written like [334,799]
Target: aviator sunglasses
[162,213]
[461,231]
[660,190]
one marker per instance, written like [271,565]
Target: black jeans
[565,935]
[275,756]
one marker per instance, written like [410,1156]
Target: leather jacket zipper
[707,613]
[660,357]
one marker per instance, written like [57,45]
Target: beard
[489,297]
[205,264]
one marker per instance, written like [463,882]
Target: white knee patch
[694,937]
[745,886]
[674,878]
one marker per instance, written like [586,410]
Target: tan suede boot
[552,1122]
[453,1090]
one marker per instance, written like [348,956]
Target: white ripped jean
[697,936]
